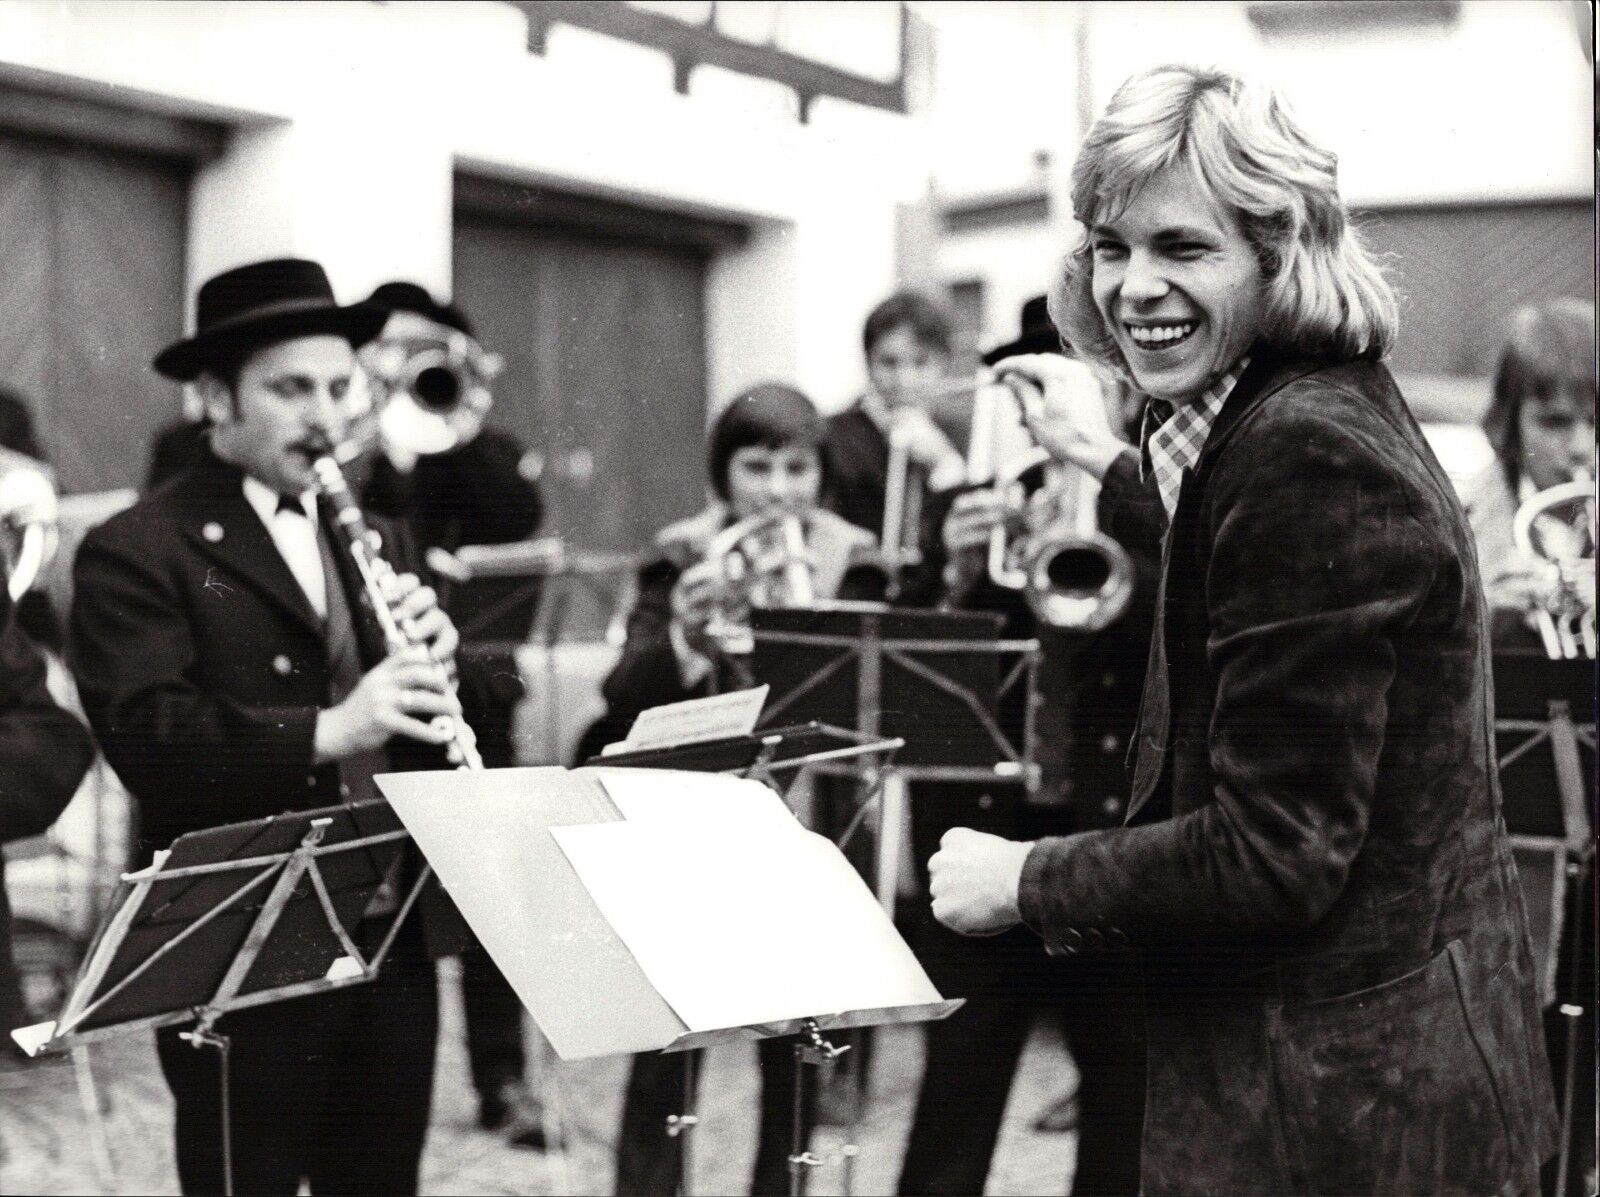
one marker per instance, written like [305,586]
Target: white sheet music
[782,926]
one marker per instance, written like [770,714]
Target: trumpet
[29,528]
[762,562]
[378,578]
[430,396]
[899,546]
[1557,525]
[1073,576]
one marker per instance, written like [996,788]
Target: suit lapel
[220,523]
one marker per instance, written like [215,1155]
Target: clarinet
[378,576]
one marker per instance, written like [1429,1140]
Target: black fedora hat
[409,297]
[1038,334]
[260,304]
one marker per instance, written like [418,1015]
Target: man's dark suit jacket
[44,753]
[1341,991]
[202,665]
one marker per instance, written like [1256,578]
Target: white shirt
[296,539]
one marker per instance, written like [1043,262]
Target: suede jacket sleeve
[1315,568]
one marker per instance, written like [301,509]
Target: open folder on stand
[638,910]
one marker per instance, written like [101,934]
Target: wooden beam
[700,45]
[42,113]
[497,200]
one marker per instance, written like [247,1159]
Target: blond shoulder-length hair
[1323,292]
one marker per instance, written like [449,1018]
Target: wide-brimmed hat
[1038,334]
[409,297]
[260,304]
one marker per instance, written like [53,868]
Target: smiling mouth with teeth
[1160,336]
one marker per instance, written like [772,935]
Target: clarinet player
[231,671]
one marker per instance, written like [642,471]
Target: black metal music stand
[1545,726]
[765,757]
[935,679]
[235,917]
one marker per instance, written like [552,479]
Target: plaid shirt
[1171,440]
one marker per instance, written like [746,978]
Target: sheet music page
[744,921]
[696,719]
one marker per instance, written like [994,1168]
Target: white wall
[1497,105]
[349,119]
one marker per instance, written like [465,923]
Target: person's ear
[216,399]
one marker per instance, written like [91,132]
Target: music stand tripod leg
[202,1036]
[815,1052]
[89,1099]
[681,1127]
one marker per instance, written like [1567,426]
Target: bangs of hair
[1323,293]
[1549,353]
[771,415]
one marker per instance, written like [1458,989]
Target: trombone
[1073,576]
[430,396]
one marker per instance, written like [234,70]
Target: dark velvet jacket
[1314,865]
[202,665]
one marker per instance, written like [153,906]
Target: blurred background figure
[1541,426]
[457,482]
[886,455]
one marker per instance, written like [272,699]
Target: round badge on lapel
[212,532]
[282,666]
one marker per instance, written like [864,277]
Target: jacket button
[282,666]
[212,532]
[1109,743]
[1112,806]
[311,780]
[985,801]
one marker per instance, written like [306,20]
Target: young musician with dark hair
[907,341]
[232,668]
[1339,990]
[763,455]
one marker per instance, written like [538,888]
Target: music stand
[231,918]
[1545,724]
[932,678]
[635,910]
[764,756]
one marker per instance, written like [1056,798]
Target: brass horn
[763,563]
[430,396]
[1073,576]
[1557,525]
[29,526]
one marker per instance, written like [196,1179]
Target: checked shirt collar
[1172,439]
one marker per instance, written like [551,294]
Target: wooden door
[604,343]
[93,243]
